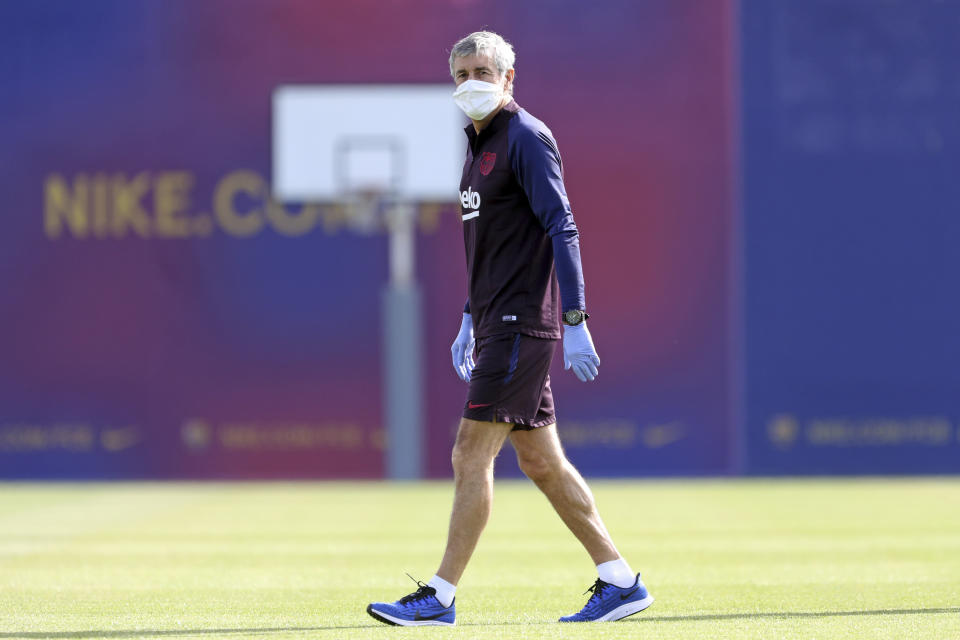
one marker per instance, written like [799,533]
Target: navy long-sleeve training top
[518,229]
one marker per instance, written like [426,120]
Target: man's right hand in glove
[462,349]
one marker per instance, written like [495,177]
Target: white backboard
[330,140]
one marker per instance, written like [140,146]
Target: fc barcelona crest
[487,160]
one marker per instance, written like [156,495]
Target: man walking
[523,264]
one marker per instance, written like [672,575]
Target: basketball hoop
[364,210]
[332,145]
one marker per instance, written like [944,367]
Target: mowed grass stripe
[823,558]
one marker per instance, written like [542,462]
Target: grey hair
[487,42]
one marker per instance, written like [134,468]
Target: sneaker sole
[625,610]
[400,622]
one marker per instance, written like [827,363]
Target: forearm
[566,258]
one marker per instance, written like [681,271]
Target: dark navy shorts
[511,381]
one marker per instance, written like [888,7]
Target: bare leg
[477,445]
[541,457]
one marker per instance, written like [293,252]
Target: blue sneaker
[609,602]
[420,608]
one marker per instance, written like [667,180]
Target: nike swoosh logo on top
[624,596]
[470,405]
[417,616]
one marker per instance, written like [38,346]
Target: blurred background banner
[766,194]
[852,235]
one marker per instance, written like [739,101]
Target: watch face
[573,317]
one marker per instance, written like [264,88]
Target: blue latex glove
[579,352]
[462,349]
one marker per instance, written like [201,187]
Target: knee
[459,460]
[468,463]
[537,467]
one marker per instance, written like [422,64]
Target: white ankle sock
[617,572]
[445,590]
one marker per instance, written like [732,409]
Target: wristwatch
[574,317]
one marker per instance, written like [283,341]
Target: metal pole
[403,341]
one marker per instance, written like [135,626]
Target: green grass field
[725,559]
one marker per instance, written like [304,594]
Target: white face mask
[478,98]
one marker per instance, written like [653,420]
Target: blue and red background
[766,194]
